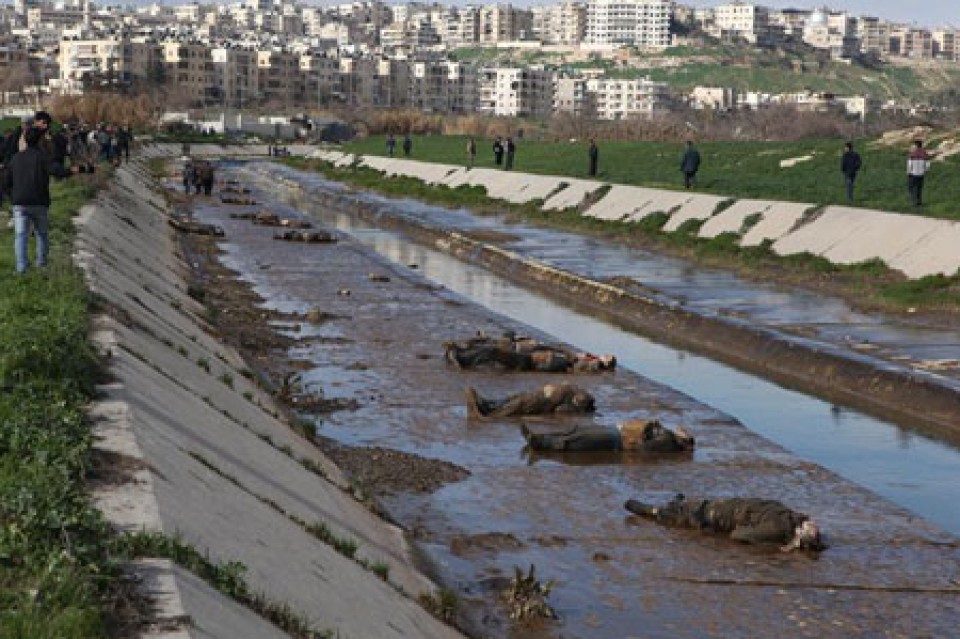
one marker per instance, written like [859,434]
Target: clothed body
[648,436]
[523,354]
[748,520]
[511,150]
[498,151]
[593,153]
[551,399]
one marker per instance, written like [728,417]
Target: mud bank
[212,464]
[914,245]
[913,398]
[615,577]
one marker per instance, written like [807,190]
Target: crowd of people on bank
[34,151]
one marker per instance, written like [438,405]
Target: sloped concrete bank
[206,459]
[914,245]
[915,399]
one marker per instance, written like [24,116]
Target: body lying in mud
[236,198]
[747,520]
[523,354]
[636,435]
[549,400]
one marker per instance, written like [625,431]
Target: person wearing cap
[28,182]
[745,519]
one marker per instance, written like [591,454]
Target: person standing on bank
[594,154]
[407,145]
[850,165]
[498,151]
[471,151]
[918,163]
[28,182]
[391,144]
[511,149]
[690,164]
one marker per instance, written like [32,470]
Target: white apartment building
[571,96]
[461,26]
[515,92]
[832,32]
[623,99]
[946,44]
[642,23]
[748,21]
[440,86]
[564,23]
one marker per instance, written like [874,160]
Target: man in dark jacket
[747,520]
[690,164]
[52,144]
[594,154]
[28,182]
[850,166]
[498,151]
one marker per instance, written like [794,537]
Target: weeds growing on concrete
[442,604]
[227,577]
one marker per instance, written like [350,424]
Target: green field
[735,169]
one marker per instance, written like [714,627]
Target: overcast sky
[930,13]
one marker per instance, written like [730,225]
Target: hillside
[747,68]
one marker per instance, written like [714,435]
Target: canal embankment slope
[914,245]
[208,461]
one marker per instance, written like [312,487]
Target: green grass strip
[57,576]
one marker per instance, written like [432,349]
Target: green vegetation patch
[731,169]
[58,578]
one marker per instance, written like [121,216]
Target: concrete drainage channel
[861,448]
[563,514]
[206,460]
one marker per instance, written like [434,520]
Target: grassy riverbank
[734,169]
[870,285]
[56,568]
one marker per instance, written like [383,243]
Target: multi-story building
[835,33]
[873,35]
[748,21]
[911,42]
[516,92]
[320,76]
[946,44]
[440,86]
[571,96]
[189,70]
[505,23]
[622,99]
[642,23]
[564,23]
[461,26]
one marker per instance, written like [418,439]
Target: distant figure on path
[407,145]
[498,151]
[594,155]
[511,149]
[391,144]
[471,151]
[917,166]
[690,164]
[850,166]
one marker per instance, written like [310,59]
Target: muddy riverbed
[377,355]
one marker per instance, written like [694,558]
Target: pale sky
[928,13]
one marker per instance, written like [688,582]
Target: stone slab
[693,207]
[778,220]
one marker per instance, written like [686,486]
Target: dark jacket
[28,177]
[851,163]
[691,161]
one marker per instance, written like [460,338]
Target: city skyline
[934,13]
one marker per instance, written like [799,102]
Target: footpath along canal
[888,572]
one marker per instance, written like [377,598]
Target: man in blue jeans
[28,183]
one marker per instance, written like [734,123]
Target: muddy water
[614,578]
[914,471]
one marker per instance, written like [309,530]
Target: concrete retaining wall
[212,463]
[914,245]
